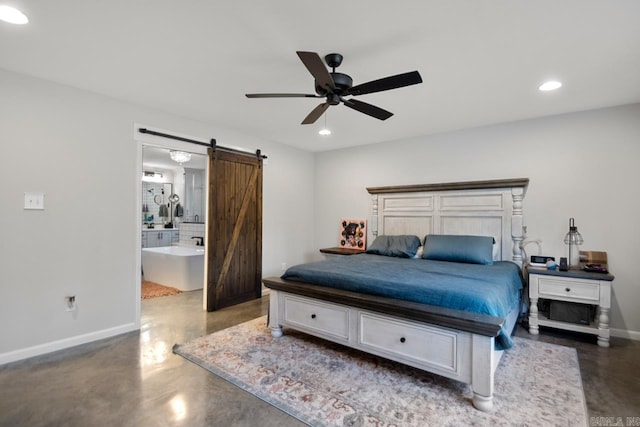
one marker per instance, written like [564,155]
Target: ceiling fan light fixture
[550,85]
[325,130]
[12,15]
[179,156]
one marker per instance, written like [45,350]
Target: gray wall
[79,149]
[582,165]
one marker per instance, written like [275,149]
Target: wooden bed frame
[451,343]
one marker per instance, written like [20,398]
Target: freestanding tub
[181,267]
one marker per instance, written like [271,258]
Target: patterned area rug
[153,290]
[325,384]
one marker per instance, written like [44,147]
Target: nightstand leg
[533,317]
[603,327]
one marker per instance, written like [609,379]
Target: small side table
[341,251]
[573,286]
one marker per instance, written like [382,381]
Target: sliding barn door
[234,255]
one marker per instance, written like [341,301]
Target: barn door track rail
[212,144]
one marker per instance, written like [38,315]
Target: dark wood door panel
[235,229]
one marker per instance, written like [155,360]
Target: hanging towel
[164,212]
[179,210]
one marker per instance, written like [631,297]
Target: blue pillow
[469,249]
[397,246]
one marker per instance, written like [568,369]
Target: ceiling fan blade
[368,109]
[386,83]
[316,67]
[315,114]
[281,95]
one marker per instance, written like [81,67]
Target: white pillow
[419,252]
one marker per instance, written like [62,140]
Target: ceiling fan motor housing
[341,81]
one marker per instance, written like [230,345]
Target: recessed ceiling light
[550,85]
[324,132]
[12,15]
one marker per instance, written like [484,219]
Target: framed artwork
[353,233]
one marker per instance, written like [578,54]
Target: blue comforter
[488,289]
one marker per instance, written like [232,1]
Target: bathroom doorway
[233,208]
[172,220]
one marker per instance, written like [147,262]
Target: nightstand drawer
[550,287]
[317,317]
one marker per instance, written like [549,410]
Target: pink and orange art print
[353,233]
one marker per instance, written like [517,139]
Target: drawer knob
[313,316]
[567,289]
[403,339]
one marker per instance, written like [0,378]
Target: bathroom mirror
[194,195]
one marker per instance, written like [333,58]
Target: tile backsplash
[154,195]
[189,230]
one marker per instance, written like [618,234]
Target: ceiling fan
[335,86]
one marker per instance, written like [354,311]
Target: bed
[357,301]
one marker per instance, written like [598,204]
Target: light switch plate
[34,201]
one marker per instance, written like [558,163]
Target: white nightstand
[572,286]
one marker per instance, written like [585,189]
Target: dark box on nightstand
[572,312]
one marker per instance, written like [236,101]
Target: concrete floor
[135,379]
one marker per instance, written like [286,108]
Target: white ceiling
[481,61]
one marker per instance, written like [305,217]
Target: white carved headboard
[482,208]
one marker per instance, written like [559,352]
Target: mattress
[487,289]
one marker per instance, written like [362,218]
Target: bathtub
[181,267]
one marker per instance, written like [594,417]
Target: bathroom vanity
[153,238]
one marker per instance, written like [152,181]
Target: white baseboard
[62,344]
[41,349]
[623,333]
